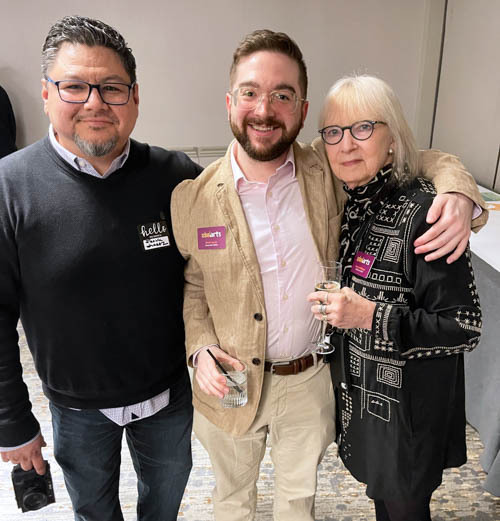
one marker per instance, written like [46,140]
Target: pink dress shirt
[286,254]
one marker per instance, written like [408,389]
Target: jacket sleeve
[449,175]
[17,423]
[443,317]
[198,322]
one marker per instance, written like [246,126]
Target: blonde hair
[361,97]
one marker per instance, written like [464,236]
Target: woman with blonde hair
[402,323]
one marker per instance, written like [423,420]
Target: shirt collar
[82,164]
[288,167]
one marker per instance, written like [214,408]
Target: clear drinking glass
[328,279]
[237,383]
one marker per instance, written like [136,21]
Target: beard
[270,152]
[93,149]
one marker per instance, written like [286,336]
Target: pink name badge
[213,238]
[362,264]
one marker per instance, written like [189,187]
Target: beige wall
[468,110]
[184,48]
[431,38]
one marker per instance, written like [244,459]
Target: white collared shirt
[82,164]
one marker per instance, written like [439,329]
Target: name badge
[154,235]
[212,238]
[362,264]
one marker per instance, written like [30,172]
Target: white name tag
[154,235]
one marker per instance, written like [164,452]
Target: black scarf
[363,202]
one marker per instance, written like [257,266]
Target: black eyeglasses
[76,91]
[360,130]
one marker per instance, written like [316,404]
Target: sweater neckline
[135,152]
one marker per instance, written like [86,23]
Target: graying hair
[368,97]
[92,149]
[86,31]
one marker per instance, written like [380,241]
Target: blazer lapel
[310,177]
[236,223]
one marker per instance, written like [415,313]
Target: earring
[391,151]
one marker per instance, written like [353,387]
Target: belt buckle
[285,362]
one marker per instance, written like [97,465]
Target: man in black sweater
[7,125]
[89,264]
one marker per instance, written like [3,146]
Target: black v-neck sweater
[101,312]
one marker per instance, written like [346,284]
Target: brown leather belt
[291,366]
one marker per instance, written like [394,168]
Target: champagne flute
[328,279]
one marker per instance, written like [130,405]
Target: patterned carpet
[339,498]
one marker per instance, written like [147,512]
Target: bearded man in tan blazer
[272,210]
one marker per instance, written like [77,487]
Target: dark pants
[389,510]
[87,446]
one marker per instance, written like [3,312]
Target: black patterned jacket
[401,409]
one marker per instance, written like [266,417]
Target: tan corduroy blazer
[224,298]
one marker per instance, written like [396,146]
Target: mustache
[101,115]
[268,122]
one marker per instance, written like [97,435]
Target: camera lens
[34,499]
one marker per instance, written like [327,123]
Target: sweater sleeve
[443,317]
[17,423]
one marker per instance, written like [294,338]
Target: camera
[32,490]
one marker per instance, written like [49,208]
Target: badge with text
[154,235]
[362,264]
[212,238]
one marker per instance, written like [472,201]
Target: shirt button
[256,361]
[285,297]
[270,194]
[285,330]
[258,317]
[276,227]
[283,263]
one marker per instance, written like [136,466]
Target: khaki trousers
[296,413]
